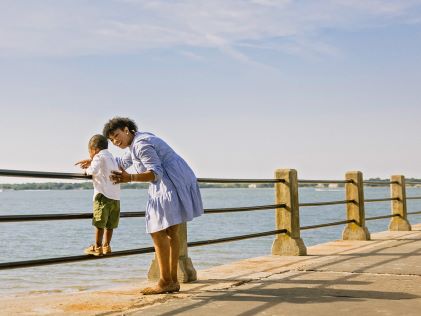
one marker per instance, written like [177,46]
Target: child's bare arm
[84,164]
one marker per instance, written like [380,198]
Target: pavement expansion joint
[359,272]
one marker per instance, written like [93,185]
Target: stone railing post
[398,191]
[290,243]
[355,210]
[186,271]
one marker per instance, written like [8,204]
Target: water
[36,240]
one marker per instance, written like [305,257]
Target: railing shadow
[267,294]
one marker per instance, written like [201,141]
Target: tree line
[88,185]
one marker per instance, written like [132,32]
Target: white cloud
[69,28]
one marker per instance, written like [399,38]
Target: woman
[173,196]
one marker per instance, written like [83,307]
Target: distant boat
[252,186]
[320,187]
[330,187]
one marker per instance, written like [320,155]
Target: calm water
[35,240]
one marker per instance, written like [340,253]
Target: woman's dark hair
[98,141]
[119,123]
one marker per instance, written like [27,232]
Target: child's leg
[107,237]
[99,232]
[113,208]
[174,250]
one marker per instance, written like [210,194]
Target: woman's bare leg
[167,249]
[162,249]
[174,240]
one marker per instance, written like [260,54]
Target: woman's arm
[146,153]
[148,176]
[150,160]
[123,177]
[125,161]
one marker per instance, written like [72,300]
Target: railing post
[290,243]
[186,271]
[355,210]
[398,191]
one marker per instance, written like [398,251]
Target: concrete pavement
[377,277]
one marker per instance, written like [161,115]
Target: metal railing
[74,216]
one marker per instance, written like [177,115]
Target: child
[106,199]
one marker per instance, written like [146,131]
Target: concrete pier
[381,276]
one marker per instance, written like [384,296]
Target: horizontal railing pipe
[326,203]
[379,182]
[244,209]
[81,176]
[381,217]
[381,200]
[324,181]
[50,261]
[414,213]
[74,216]
[327,224]
[212,180]
[43,174]
[59,217]
[413,197]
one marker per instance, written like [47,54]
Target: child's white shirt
[101,166]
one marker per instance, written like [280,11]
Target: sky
[238,88]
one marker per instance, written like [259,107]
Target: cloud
[75,28]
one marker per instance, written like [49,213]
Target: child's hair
[98,141]
[118,123]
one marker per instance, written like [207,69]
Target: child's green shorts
[106,212]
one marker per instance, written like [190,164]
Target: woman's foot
[160,288]
[155,290]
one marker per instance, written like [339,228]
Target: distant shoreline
[87,185]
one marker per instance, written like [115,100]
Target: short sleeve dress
[174,196]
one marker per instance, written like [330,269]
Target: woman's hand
[84,164]
[119,176]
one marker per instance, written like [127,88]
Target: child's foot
[93,250]
[106,250]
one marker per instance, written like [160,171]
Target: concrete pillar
[186,271]
[290,243]
[397,190]
[355,210]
